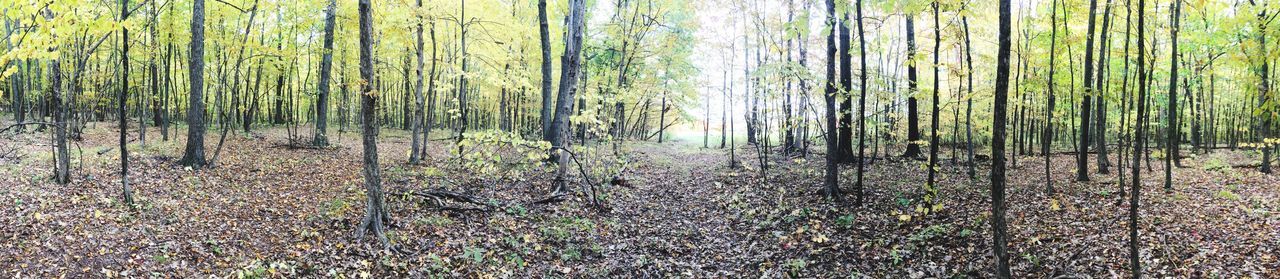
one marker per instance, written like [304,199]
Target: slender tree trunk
[545,37]
[931,189]
[862,103]
[1082,151]
[1100,111]
[1047,135]
[968,109]
[1172,127]
[122,98]
[61,164]
[1135,266]
[375,214]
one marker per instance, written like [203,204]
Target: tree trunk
[1172,127]
[122,97]
[62,163]
[831,188]
[375,214]
[913,116]
[326,73]
[999,236]
[1047,135]
[1082,151]
[862,104]
[1135,266]
[569,66]
[545,37]
[844,148]
[931,189]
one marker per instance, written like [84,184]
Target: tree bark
[831,188]
[913,116]
[999,235]
[375,214]
[569,67]
[326,73]
[1135,266]
[545,37]
[122,98]
[1082,151]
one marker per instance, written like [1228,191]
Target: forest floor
[267,210]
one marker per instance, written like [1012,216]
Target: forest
[639,138]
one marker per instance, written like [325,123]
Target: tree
[326,72]
[569,64]
[62,163]
[193,154]
[1172,128]
[375,213]
[1135,266]
[999,235]
[545,37]
[1082,154]
[122,98]
[931,189]
[831,189]
[862,103]
[1047,136]
[913,117]
[1101,109]
[417,148]
[845,144]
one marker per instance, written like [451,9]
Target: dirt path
[680,224]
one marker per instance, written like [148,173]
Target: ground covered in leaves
[267,210]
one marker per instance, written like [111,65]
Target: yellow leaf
[1053,205]
[904,218]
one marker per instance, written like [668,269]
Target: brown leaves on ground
[275,212]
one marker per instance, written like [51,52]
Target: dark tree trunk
[62,163]
[1082,151]
[862,104]
[1135,266]
[569,65]
[545,37]
[122,98]
[913,116]
[1100,112]
[1172,128]
[968,109]
[831,188]
[844,148]
[326,73]
[1046,138]
[375,213]
[999,236]
[931,189]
